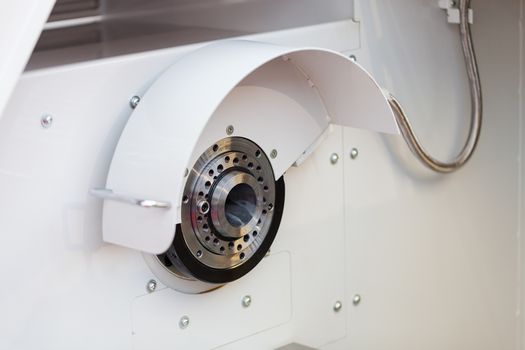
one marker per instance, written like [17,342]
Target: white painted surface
[435,258]
[20,25]
[80,291]
[217,318]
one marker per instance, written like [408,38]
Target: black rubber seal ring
[208,274]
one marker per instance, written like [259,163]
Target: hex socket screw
[184,322]
[46,121]
[246,301]
[354,153]
[334,158]
[338,305]
[151,286]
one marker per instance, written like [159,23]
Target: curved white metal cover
[281,98]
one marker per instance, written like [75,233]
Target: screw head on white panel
[338,306]
[353,58]
[46,121]
[354,153]
[229,129]
[184,322]
[334,158]
[246,301]
[356,300]
[273,154]
[151,286]
[134,101]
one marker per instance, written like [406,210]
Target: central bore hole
[240,205]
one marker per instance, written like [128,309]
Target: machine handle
[106,193]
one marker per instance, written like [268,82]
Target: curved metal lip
[218,201]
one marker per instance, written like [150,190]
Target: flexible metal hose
[476,106]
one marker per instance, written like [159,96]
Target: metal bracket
[108,194]
[453,11]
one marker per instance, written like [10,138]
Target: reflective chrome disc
[230,213]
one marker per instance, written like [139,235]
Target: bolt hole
[257,153]
[227,159]
[220,168]
[258,168]
[205,226]
[246,238]
[270,206]
[260,179]
[250,165]
[230,245]
[199,219]
[235,160]
[264,212]
[204,207]
[254,233]
[207,184]
[210,172]
[201,194]
[265,188]
[241,256]
[239,247]
[207,238]
[221,248]
[215,148]
[215,241]
[244,157]
[264,200]
[199,253]
[185,199]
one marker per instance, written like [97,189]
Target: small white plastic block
[453,11]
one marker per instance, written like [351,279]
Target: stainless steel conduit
[476,106]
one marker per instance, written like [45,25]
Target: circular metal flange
[230,212]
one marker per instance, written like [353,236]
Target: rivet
[134,101]
[273,154]
[246,301]
[151,286]
[229,129]
[334,158]
[356,300]
[184,322]
[338,306]
[46,121]
[354,153]
[353,58]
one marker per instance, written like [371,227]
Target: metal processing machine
[261,174]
